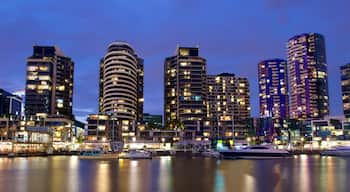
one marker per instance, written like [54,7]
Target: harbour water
[68,173]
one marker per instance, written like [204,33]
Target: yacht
[337,151]
[93,152]
[255,152]
[211,153]
[97,155]
[136,154]
[11,155]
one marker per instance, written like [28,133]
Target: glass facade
[308,79]
[49,84]
[273,88]
[228,105]
[156,120]
[10,105]
[345,89]
[185,89]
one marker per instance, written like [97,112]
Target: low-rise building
[103,128]
[10,105]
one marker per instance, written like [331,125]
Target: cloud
[84,110]
[81,118]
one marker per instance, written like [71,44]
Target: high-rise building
[185,89]
[121,86]
[228,105]
[140,83]
[345,89]
[10,105]
[49,85]
[307,69]
[273,88]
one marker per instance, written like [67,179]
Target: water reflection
[133,176]
[73,174]
[302,173]
[165,172]
[102,177]
[219,182]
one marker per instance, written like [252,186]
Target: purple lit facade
[307,68]
[273,97]
[273,88]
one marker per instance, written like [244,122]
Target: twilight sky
[233,35]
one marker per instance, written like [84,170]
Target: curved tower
[120,76]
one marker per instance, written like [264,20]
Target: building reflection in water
[103,180]
[304,174]
[219,181]
[330,176]
[277,172]
[342,176]
[73,171]
[301,173]
[165,172]
[133,176]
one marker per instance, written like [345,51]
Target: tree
[175,124]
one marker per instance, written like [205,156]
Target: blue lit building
[273,88]
[273,98]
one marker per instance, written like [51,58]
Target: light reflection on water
[304,174]
[62,173]
[164,179]
[133,176]
[102,177]
[73,174]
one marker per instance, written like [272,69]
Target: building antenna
[177,48]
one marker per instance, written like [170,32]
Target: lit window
[183,64]
[184,52]
[101,127]
[32,77]
[61,88]
[44,77]
[43,87]
[29,86]
[32,68]
[43,68]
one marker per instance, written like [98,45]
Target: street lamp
[163,140]
[302,142]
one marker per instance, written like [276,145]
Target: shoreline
[178,154]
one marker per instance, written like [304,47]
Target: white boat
[136,154]
[337,151]
[93,152]
[11,155]
[49,151]
[211,153]
[90,154]
[97,154]
[255,152]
